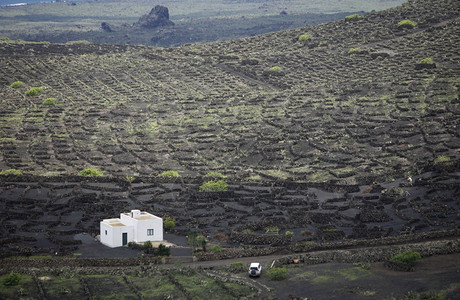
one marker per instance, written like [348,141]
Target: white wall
[114,237]
[142,225]
[136,229]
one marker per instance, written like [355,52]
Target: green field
[180,284]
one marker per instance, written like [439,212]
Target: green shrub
[277,273]
[444,164]
[427,60]
[275,69]
[11,172]
[354,17]
[409,24]
[17,84]
[215,175]
[272,229]
[35,91]
[214,186]
[353,50]
[148,245]
[162,250]
[11,279]
[191,238]
[304,37]
[363,265]
[89,172]
[442,159]
[4,39]
[49,101]
[237,266]
[201,240]
[169,173]
[215,248]
[393,192]
[247,230]
[169,223]
[289,233]
[408,257]
[428,295]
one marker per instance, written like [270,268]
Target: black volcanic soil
[345,281]
[352,104]
[48,217]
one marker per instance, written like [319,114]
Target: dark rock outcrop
[106,27]
[158,17]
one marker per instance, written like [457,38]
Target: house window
[150,231]
[106,232]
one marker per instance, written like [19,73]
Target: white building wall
[142,226]
[106,234]
[112,236]
[135,224]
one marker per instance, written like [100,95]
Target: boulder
[158,17]
[106,27]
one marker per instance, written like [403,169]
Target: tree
[169,223]
[192,235]
[11,279]
[201,240]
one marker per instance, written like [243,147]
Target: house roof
[113,222]
[145,217]
[142,216]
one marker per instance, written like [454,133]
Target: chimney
[135,213]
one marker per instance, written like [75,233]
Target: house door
[125,238]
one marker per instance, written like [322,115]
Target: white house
[134,226]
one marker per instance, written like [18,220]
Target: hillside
[351,102]
[195,21]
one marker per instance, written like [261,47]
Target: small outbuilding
[135,226]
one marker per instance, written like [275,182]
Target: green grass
[156,287]
[322,278]
[26,288]
[109,287]
[62,288]
[238,266]
[352,274]
[241,291]
[202,287]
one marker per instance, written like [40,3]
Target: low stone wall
[17,264]
[375,254]
[396,241]
[259,239]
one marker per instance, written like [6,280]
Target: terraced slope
[351,103]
